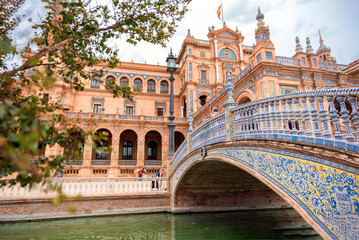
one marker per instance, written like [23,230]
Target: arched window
[152,151]
[124,82]
[102,151]
[95,83]
[203,99]
[127,150]
[151,86]
[137,85]
[110,80]
[164,87]
[101,146]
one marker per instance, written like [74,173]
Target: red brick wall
[86,204]
[213,183]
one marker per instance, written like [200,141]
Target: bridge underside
[219,184]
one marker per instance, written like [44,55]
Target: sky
[337,20]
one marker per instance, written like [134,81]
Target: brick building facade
[137,130]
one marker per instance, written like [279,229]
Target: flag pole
[222,15]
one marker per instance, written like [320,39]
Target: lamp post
[171,68]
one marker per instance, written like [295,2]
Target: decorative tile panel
[227,53]
[327,191]
[226,34]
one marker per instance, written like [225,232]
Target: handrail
[86,187]
[308,117]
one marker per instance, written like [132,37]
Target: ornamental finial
[298,47]
[309,47]
[260,17]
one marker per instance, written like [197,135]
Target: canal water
[279,224]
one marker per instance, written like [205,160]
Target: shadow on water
[278,224]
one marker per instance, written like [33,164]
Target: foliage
[137,88]
[72,38]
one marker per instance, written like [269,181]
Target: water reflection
[283,224]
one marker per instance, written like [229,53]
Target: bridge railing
[322,117]
[86,187]
[181,152]
[211,131]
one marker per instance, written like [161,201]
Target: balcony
[101,162]
[127,162]
[153,162]
[74,162]
[121,116]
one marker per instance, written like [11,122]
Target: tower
[264,49]
[324,52]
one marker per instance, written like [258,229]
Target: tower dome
[260,17]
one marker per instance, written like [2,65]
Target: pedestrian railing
[322,117]
[85,187]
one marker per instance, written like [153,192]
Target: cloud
[286,19]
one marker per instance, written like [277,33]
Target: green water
[234,225]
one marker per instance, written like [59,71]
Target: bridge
[301,148]
[298,150]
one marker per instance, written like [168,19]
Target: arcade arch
[101,155]
[128,148]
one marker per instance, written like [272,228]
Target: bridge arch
[291,176]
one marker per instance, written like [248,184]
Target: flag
[219,12]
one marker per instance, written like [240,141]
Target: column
[215,47]
[114,157]
[217,73]
[241,51]
[141,151]
[85,170]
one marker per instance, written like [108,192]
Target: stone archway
[153,148]
[216,183]
[244,100]
[296,178]
[128,148]
[101,155]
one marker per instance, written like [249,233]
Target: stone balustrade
[332,66]
[85,187]
[322,117]
[121,116]
[294,62]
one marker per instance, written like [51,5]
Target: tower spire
[320,38]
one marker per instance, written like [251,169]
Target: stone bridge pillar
[229,120]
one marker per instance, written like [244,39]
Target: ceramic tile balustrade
[308,117]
